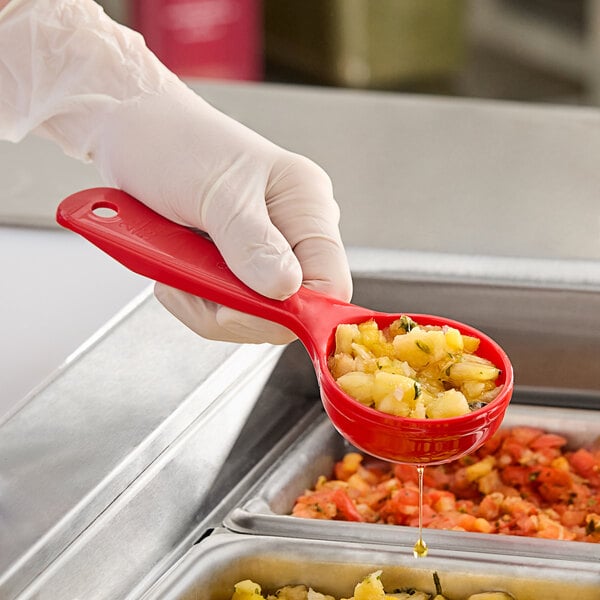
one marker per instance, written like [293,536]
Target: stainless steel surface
[211,569]
[36,177]
[134,447]
[57,293]
[108,472]
[120,407]
[267,508]
[419,173]
[167,509]
[550,332]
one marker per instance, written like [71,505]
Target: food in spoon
[523,481]
[412,370]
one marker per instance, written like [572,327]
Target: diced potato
[361,351]
[393,365]
[419,411]
[358,385]
[448,404]
[438,341]
[490,393]
[340,364]
[473,389]
[393,406]
[384,363]
[430,384]
[421,347]
[369,332]
[454,340]
[480,468]
[312,595]
[290,592]
[470,370]
[561,463]
[366,365]
[247,590]
[470,343]
[345,335]
[400,386]
[490,483]
[414,348]
[372,338]
[370,588]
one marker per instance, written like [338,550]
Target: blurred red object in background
[216,39]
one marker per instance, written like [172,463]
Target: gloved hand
[92,86]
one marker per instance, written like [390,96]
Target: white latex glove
[70,73]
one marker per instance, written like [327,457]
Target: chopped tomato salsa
[524,481]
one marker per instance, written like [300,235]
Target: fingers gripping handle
[164,251]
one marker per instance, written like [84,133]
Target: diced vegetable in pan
[523,481]
[370,588]
[490,596]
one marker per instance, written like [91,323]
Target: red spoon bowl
[155,247]
[420,441]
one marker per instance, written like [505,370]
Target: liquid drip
[420,547]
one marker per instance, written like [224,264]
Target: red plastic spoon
[157,248]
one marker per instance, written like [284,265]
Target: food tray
[266,508]
[212,567]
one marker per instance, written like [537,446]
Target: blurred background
[532,51]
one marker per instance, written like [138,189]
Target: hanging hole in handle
[105,210]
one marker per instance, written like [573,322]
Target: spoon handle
[162,250]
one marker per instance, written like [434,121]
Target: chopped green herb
[423,346]
[438,585]
[407,323]
[591,527]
